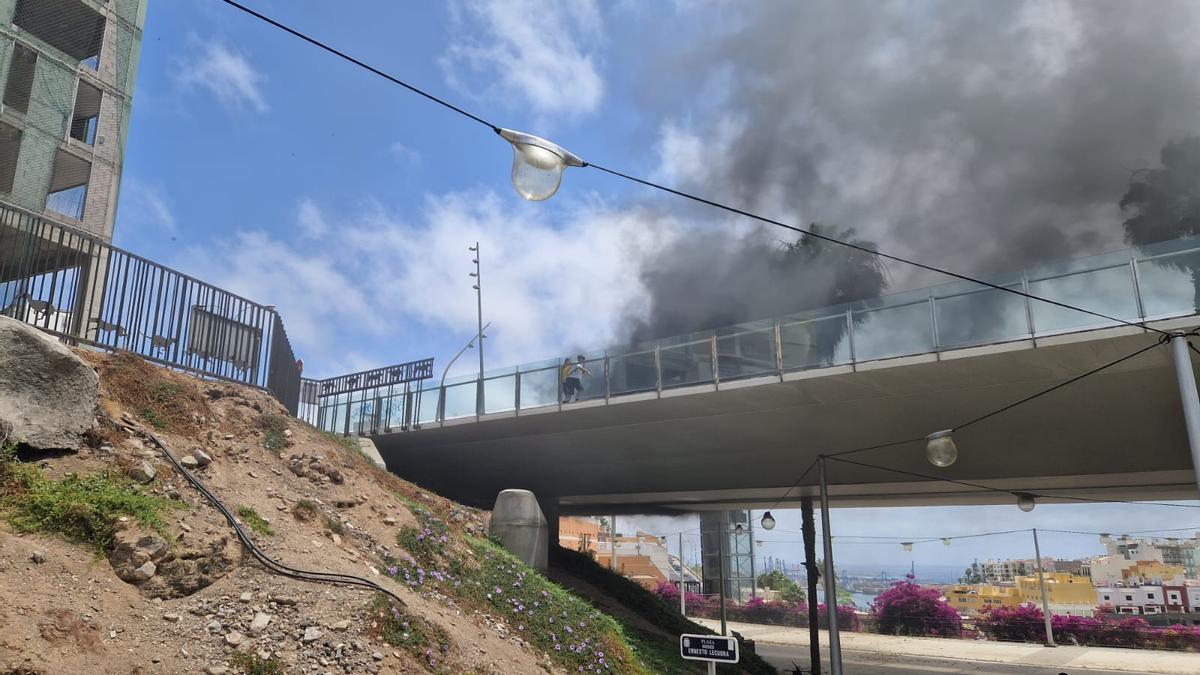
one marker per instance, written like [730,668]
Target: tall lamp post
[478,286]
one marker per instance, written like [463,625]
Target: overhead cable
[680,193]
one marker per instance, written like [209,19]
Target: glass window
[21,68]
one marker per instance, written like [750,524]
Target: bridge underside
[1116,435]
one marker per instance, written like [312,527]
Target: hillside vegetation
[114,561]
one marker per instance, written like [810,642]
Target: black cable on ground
[254,550]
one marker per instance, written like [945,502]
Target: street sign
[713,648]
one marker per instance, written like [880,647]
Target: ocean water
[925,574]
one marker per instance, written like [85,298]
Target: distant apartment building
[578,534]
[1067,594]
[642,557]
[1112,570]
[1005,571]
[67,70]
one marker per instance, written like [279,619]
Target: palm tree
[847,275]
[1164,203]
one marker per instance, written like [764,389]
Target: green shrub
[334,525]
[641,601]
[425,641]
[426,542]
[253,664]
[82,509]
[273,427]
[305,510]
[254,521]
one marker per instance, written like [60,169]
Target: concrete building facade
[1067,594]
[67,70]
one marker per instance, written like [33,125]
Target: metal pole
[808,529]
[1186,378]
[682,605]
[442,385]
[712,668]
[722,533]
[835,642]
[612,544]
[1037,550]
[479,307]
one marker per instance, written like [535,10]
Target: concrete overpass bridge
[728,419]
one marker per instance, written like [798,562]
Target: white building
[1131,600]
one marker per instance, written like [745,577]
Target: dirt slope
[64,609]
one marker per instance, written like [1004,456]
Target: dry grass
[167,401]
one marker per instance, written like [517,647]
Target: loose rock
[143,472]
[260,622]
[311,634]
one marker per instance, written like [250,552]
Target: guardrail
[1149,283]
[84,290]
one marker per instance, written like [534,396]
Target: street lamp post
[478,286]
[1037,550]
[441,415]
[835,642]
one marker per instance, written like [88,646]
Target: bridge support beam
[518,522]
[1186,377]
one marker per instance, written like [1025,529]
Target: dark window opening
[67,25]
[10,147]
[68,186]
[87,113]
[20,78]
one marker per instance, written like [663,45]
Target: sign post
[711,648]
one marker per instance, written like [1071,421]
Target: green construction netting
[67,69]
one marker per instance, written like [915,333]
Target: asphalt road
[865,663]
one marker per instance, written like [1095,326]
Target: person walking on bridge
[572,374]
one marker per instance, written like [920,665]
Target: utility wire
[795,483]
[366,66]
[988,488]
[867,249]
[686,195]
[1009,406]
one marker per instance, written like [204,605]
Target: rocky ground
[187,599]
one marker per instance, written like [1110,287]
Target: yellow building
[972,599]
[1153,572]
[1065,593]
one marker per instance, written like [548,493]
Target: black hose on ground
[254,550]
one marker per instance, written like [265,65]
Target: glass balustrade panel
[686,364]
[814,342]
[902,329]
[460,399]
[540,387]
[1166,279]
[972,314]
[632,373]
[1107,291]
[500,394]
[746,350]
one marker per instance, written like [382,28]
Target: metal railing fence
[84,290]
[1148,283]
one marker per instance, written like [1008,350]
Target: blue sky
[266,166]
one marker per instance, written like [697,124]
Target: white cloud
[555,280]
[226,74]
[534,51]
[405,154]
[311,220]
[144,207]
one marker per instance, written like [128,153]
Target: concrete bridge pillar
[522,528]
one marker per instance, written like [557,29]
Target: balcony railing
[1148,283]
[83,290]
